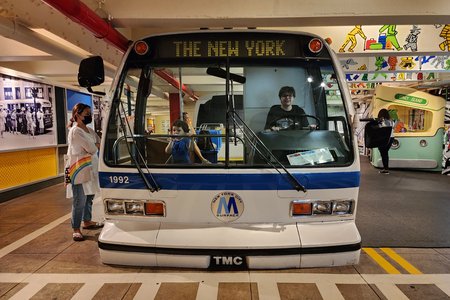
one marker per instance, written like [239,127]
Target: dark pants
[384,151]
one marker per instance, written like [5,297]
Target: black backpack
[376,136]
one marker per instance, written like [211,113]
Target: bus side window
[339,124]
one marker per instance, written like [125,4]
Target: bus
[267,199]
[419,128]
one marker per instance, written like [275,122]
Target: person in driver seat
[286,115]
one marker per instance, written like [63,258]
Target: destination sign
[201,46]
[217,45]
[230,48]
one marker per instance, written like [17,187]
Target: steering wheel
[293,125]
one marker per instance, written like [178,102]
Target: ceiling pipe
[169,78]
[80,13]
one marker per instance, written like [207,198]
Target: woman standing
[385,121]
[83,141]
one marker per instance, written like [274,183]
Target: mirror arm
[95,92]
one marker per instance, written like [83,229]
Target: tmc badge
[227,206]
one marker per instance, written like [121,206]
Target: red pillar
[174,105]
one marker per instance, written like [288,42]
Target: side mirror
[91,73]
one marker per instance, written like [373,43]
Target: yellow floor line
[401,261]
[390,269]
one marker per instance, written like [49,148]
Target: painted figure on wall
[380,63]
[390,33]
[351,38]
[445,33]
[392,62]
[439,61]
[411,39]
[348,62]
[407,63]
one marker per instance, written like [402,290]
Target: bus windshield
[250,112]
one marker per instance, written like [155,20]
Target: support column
[174,105]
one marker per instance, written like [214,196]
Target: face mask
[87,120]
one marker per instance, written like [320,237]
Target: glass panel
[410,119]
[289,113]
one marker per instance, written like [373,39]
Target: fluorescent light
[61,41]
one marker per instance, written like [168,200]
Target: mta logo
[227,207]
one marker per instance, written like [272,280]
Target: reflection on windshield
[296,112]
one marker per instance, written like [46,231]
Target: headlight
[342,207]
[321,208]
[302,208]
[114,207]
[395,144]
[134,208]
[153,208]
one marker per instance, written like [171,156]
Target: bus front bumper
[230,246]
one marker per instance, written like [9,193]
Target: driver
[286,115]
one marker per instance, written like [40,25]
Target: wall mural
[351,38]
[385,38]
[394,68]
[445,34]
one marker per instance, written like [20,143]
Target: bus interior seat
[209,145]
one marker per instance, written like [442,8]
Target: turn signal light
[301,209]
[155,209]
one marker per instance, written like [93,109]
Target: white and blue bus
[283,198]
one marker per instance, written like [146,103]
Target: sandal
[77,237]
[95,225]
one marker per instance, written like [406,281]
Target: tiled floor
[39,260]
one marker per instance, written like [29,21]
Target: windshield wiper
[153,187]
[253,137]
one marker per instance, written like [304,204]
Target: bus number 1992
[119,179]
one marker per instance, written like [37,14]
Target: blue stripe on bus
[193,181]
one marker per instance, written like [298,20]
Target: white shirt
[388,123]
[83,143]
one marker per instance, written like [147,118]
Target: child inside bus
[181,147]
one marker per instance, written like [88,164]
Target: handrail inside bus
[295,183]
